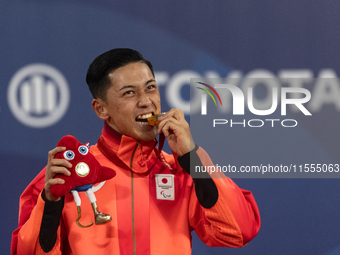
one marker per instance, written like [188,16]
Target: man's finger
[54,152]
[169,121]
[55,181]
[59,170]
[61,162]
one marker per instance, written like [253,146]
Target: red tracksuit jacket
[148,215]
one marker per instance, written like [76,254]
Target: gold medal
[82,169]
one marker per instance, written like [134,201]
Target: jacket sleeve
[220,212]
[25,239]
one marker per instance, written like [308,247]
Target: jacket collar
[139,156]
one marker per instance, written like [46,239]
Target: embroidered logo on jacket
[165,186]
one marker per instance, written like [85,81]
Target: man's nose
[144,100]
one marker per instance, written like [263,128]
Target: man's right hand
[55,166]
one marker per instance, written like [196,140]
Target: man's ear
[100,108]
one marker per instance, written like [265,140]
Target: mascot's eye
[69,155]
[83,149]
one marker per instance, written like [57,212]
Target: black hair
[97,74]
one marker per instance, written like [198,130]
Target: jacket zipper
[133,203]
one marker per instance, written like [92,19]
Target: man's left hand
[176,129]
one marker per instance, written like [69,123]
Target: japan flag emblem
[165,186]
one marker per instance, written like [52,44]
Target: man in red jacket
[153,200]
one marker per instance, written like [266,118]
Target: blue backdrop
[46,47]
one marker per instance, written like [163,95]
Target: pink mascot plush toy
[85,172]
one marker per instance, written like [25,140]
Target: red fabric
[140,221]
[241,202]
[28,201]
[96,174]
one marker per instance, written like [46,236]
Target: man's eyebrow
[149,81]
[127,87]
[133,86]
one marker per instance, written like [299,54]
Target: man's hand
[55,166]
[176,129]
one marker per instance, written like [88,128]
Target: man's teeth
[142,119]
[145,116]
[143,122]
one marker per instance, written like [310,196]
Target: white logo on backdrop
[38,95]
